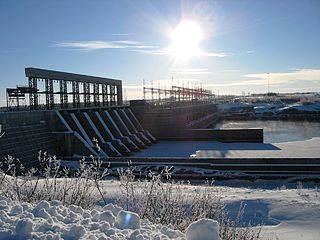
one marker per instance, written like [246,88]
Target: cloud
[168,52]
[96,45]
[129,45]
[275,78]
[213,54]
[192,71]
[285,77]
[120,34]
[251,51]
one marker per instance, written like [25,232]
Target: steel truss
[96,91]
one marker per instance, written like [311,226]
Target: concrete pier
[124,130]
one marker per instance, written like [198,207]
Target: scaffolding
[178,94]
[16,97]
[85,90]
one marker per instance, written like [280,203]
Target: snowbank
[52,220]
[307,107]
[234,106]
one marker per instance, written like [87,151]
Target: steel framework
[179,94]
[96,91]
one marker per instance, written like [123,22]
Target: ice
[204,229]
[127,220]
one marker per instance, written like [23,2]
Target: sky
[241,42]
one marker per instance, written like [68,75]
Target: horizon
[230,49]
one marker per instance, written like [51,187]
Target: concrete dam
[71,115]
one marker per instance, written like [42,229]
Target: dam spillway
[72,133]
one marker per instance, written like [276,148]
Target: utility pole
[144,90]
[268,84]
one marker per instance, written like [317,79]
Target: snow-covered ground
[307,148]
[303,149]
[52,220]
[287,214]
[306,107]
[272,107]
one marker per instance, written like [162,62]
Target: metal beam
[43,73]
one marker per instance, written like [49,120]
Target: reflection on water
[278,131]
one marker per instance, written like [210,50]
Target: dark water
[278,131]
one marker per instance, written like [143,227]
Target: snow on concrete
[212,149]
[304,149]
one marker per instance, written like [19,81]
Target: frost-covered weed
[164,201]
[50,181]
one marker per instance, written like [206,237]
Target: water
[278,131]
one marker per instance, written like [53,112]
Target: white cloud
[285,77]
[126,44]
[213,54]
[192,71]
[251,51]
[120,34]
[275,78]
[96,45]
[167,51]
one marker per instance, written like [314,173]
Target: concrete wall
[165,123]
[14,119]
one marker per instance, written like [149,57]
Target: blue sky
[243,40]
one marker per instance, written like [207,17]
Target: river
[278,131]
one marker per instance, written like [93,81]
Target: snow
[287,210]
[52,220]
[204,229]
[232,106]
[127,220]
[307,107]
[304,149]
[273,107]
[213,149]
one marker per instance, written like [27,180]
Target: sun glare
[185,39]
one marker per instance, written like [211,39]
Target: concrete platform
[211,149]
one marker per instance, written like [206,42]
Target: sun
[185,39]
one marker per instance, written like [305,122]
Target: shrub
[162,200]
[51,181]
